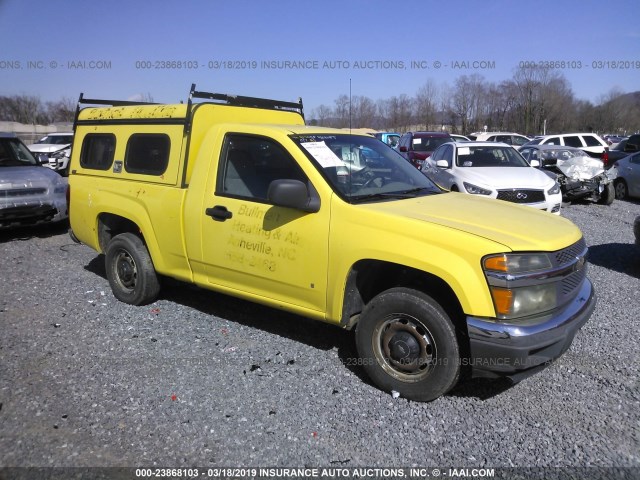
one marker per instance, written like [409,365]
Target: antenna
[349,106]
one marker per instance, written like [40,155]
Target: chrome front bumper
[518,350]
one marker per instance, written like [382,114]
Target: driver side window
[249,164]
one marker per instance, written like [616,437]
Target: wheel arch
[110,225]
[368,278]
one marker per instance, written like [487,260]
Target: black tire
[407,343]
[607,196]
[622,190]
[130,271]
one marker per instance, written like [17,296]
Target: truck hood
[505,177]
[519,228]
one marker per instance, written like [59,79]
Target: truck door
[261,251]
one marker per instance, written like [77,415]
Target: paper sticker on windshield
[464,151]
[323,154]
[417,141]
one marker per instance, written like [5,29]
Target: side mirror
[403,148]
[442,164]
[534,163]
[295,194]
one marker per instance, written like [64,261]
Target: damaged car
[54,151]
[29,193]
[581,177]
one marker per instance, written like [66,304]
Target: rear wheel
[407,344]
[607,196]
[130,271]
[621,189]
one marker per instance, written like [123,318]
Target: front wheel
[407,343]
[130,271]
[607,196]
[621,189]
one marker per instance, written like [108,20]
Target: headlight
[61,154]
[475,190]
[554,190]
[513,264]
[521,284]
[524,301]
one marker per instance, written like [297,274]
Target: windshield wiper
[401,194]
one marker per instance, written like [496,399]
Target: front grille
[569,254]
[23,192]
[572,282]
[25,215]
[521,196]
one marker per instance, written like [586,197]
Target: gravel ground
[202,379]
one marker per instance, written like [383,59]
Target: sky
[286,49]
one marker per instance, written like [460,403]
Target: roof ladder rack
[241,101]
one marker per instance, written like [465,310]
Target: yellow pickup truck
[238,195]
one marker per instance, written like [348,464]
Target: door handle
[219,213]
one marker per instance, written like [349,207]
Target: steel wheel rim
[404,348]
[126,270]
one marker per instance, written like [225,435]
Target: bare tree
[426,103]
[398,112]
[22,109]
[467,99]
[322,115]
[363,112]
[342,111]
[61,111]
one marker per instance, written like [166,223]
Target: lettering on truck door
[253,246]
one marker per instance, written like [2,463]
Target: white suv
[514,139]
[589,142]
[53,151]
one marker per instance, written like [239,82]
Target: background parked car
[509,138]
[628,182]
[613,140]
[390,138]
[589,142]
[624,148]
[495,170]
[54,150]
[417,146]
[29,193]
[459,138]
[580,176]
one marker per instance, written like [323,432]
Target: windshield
[362,168]
[13,153]
[428,144]
[489,156]
[56,140]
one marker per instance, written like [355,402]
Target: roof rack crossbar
[114,103]
[249,101]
